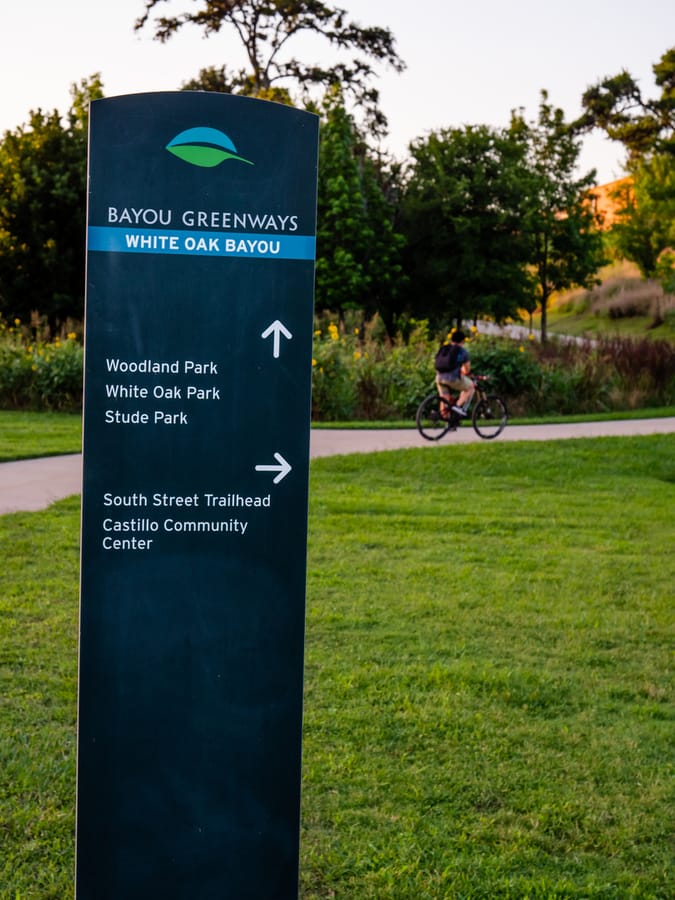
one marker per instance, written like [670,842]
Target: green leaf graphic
[205,147]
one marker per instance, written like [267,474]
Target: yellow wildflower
[71,335]
[313,362]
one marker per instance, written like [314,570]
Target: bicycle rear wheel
[489,417]
[434,417]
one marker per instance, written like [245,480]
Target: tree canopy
[461,216]
[484,221]
[497,219]
[358,250]
[646,224]
[643,125]
[42,212]
[646,127]
[266,28]
[559,224]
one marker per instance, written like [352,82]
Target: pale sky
[469,62]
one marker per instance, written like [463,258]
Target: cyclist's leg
[467,391]
[443,389]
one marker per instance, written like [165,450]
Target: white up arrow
[282,469]
[277,329]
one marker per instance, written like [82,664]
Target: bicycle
[435,415]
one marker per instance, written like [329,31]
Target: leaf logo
[205,147]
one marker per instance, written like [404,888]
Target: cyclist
[457,379]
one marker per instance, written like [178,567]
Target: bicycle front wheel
[489,417]
[434,416]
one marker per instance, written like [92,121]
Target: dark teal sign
[200,271]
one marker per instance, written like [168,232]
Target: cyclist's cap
[458,337]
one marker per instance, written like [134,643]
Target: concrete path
[326,442]
[33,484]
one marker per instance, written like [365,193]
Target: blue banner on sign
[201,243]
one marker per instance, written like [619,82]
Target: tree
[461,216]
[646,220]
[265,28]
[646,127]
[643,126]
[358,250]
[219,80]
[42,212]
[559,224]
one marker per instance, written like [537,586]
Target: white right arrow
[282,468]
[277,329]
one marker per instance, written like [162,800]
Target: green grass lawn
[26,435]
[489,696]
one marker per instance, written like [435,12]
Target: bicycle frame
[480,385]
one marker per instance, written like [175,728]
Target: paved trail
[33,484]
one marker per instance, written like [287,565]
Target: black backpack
[446,358]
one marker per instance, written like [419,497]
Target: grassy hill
[623,304]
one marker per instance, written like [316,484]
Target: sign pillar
[199,319]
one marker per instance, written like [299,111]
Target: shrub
[404,374]
[358,374]
[511,365]
[41,374]
[58,376]
[333,392]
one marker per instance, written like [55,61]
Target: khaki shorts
[444,385]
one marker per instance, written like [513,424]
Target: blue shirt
[462,357]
